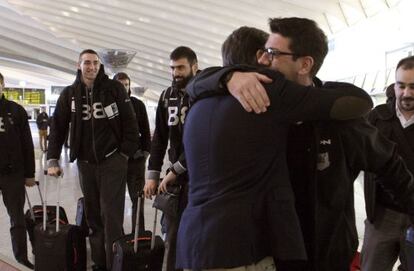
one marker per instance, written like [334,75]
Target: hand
[54,171]
[29,182]
[247,88]
[169,179]
[150,188]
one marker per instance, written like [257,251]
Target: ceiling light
[65,13]
[74,9]
[128,22]
[116,58]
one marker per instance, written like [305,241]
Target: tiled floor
[70,192]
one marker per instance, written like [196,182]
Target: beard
[182,81]
[406,103]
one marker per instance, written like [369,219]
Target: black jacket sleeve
[368,150]
[39,121]
[144,128]
[129,126]
[27,144]
[208,82]
[160,138]
[59,125]
[290,100]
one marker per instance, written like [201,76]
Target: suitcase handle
[44,203]
[137,221]
[139,239]
[30,205]
[58,204]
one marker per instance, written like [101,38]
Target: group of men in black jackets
[269,189]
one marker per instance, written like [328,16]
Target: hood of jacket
[100,77]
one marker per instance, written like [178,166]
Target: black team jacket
[121,122]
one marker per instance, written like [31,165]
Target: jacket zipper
[93,128]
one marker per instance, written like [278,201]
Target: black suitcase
[34,216]
[59,247]
[133,253]
[81,217]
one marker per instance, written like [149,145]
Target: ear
[194,68]
[78,65]
[259,54]
[306,64]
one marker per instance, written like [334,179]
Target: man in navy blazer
[240,210]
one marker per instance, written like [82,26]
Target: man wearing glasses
[324,158]
[241,208]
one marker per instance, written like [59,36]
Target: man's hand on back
[247,88]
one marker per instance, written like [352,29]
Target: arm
[212,81]
[344,101]
[129,140]
[38,121]
[58,130]
[144,128]
[368,150]
[294,102]
[27,145]
[158,149]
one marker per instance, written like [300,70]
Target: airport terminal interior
[40,41]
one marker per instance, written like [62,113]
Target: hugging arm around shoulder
[209,83]
[333,100]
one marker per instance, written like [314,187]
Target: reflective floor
[70,192]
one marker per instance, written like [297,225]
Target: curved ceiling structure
[42,38]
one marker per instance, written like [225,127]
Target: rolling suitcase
[59,247]
[81,217]
[34,216]
[138,253]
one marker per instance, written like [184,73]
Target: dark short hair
[184,52]
[241,46]
[306,38]
[88,51]
[1,78]
[122,76]
[389,91]
[406,63]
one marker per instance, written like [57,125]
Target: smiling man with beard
[171,112]
[387,220]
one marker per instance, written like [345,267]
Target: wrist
[172,169]
[226,78]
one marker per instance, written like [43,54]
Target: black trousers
[172,224]
[136,182]
[12,187]
[103,186]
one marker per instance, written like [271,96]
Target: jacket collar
[101,76]
[386,111]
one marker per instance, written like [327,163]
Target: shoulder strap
[166,95]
